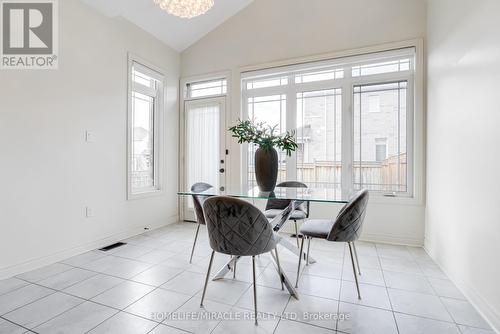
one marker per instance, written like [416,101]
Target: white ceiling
[176,32]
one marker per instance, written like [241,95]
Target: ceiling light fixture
[185,8]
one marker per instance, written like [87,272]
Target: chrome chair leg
[354,270]
[234,268]
[356,256]
[300,260]
[206,279]
[279,268]
[194,243]
[254,290]
[308,248]
[296,233]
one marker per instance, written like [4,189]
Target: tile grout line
[439,297]
[12,322]
[192,297]
[286,305]
[92,301]
[340,289]
[50,276]
[107,306]
[60,291]
[196,293]
[313,325]
[387,291]
[29,303]
[20,287]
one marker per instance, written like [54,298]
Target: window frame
[410,125]
[347,84]
[159,95]
[187,90]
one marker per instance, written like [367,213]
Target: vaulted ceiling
[176,32]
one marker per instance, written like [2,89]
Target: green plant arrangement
[263,136]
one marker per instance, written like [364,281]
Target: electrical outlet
[89,137]
[89,212]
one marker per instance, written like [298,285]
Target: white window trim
[225,75]
[189,98]
[159,124]
[415,133]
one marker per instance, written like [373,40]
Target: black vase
[266,169]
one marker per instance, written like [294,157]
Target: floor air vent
[110,247]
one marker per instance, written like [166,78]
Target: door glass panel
[202,145]
[319,136]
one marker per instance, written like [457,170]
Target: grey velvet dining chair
[274,207]
[345,228]
[198,209]
[238,228]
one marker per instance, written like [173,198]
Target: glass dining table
[295,196]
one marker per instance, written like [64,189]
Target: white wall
[269,31]
[463,202]
[48,174]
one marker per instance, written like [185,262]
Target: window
[206,88]
[381,67]
[319,76]
[144,118]
[264,83]
[353,119]
[272,111]
[380,149]
[371,170]
[319,133]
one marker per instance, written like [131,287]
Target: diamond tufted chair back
[198,200]
[236,227]
[349,221]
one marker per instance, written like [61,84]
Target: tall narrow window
[319,135]
[382,166]
[270,110]
[144,117]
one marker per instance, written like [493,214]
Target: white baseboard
[392,239]
[372,237]
[482,306]
[20,268]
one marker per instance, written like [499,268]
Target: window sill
[409,200]
[145,194]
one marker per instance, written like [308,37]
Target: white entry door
[204,146]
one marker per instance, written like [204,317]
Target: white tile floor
[132,289]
